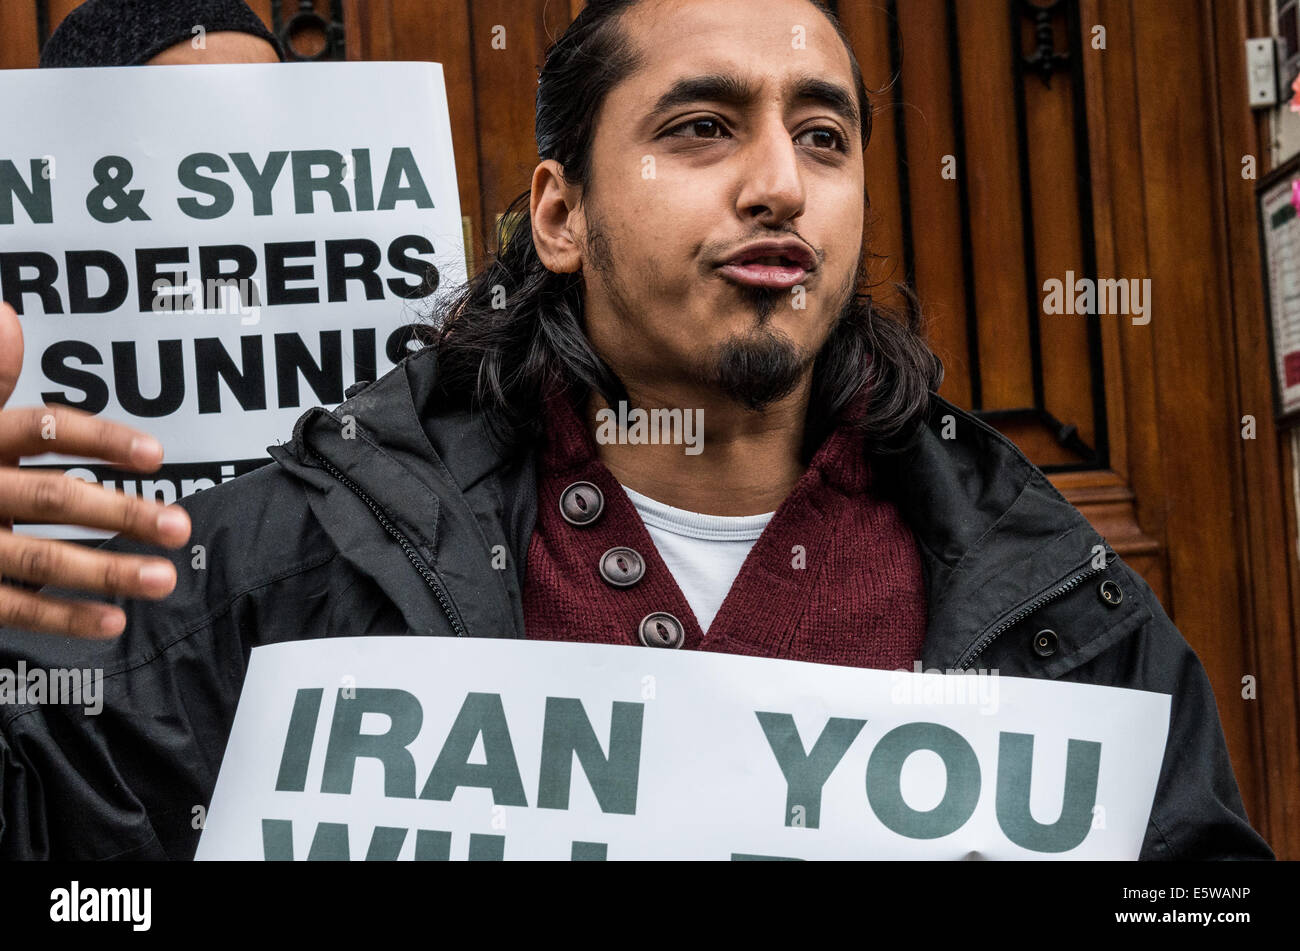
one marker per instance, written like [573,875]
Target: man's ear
[555,216]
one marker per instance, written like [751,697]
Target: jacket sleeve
[128,772]
[117,769]
[1198,812]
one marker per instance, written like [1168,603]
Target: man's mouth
[769,273]
[773,265]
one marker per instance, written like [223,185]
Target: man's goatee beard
[758,369]
[763,366]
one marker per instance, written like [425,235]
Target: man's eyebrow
[739,91]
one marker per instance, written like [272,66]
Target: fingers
[70,432]
[41,561]
[36,612]
[53,498]
[11,352]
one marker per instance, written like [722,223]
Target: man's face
[678,191]
[224,46]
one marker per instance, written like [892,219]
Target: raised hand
[54,498]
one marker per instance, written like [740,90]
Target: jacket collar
[442,483]
[994,534]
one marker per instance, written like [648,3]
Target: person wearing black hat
[160,33]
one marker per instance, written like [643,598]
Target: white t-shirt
[704,553]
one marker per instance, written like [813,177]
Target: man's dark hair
[505,360]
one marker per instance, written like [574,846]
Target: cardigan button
[661,629]
[1045,643]
[581,503]
[622,567]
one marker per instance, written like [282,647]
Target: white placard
[412,747]
[320,191]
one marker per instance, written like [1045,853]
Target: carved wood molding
[1111,506]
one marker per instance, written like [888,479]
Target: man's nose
[773,187]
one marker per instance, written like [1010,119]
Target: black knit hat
[130,32]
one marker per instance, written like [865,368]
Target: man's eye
[698,125]
[713,129]
[836,142]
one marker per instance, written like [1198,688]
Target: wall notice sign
[432,748]
[205,252]
[1280,238]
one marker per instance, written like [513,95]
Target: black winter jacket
[391,532]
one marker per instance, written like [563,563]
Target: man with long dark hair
[692,249]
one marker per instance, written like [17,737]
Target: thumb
[11,352]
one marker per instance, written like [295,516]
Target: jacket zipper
[1027,610]
[412,555]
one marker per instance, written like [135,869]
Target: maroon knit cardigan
[835,577]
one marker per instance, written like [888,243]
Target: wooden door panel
[931,123]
